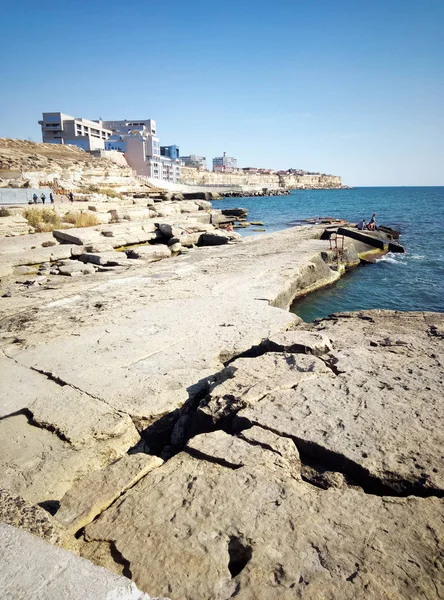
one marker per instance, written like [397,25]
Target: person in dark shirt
[362,225]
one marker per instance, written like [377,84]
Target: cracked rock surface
[318,476]
[89,366]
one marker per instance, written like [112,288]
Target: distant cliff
[292,181]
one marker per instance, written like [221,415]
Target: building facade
[170,151]
[135,138]
[195,162]
[58,128]
[144,154]
[224,164]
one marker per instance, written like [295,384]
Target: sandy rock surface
[300,460]
[315,480]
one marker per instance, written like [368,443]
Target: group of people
[35,198]
[43,198]
[371,226]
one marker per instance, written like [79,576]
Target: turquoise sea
[411,281]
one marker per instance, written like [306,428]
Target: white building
[58,128]
[224,164]
[195,162]
[137,139]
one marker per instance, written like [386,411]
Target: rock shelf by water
[189,432]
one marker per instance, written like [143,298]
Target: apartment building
[224,164]
[195,162]
[142,150]
[58,128]
[135,138]
[147,126]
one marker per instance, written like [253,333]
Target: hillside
[32,156]
[30,164]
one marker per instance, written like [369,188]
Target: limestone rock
[296,341]
[25,270]
[236,452]
[32,568]
[218,237]
[377,412]
[151,253]
[247,380]
[109,259]
[235,212]
[40,466]
[80,419]
[196,529]
[14,225]
[75,266]
[93,494]
[15,511]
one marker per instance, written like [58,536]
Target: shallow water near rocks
[411,281]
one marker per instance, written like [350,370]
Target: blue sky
[354,88]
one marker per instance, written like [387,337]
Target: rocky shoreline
[172,422]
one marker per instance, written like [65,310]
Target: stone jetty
[170,420]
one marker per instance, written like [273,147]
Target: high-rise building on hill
[135,138]
[58,128]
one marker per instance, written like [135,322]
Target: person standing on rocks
[71,197]
[43,198]
[51,198]
[34,198]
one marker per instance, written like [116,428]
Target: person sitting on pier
[372,224]
[362,225]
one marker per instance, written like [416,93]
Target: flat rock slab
[198,529]
[377,411]
[40,466]
[140,346]
[33,568]
[151,253]
[96,492]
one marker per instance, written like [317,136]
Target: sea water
[410,281]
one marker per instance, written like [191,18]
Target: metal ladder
[337,247]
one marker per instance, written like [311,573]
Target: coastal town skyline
[347,90]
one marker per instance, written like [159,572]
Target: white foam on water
[389,258]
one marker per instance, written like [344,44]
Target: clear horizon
[355,91]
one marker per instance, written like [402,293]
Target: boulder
[14,225]
[151,253]
[110,259]
[25,270]
[197,195]
[235,212]
[76,266]
[218,237]
[297,341]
